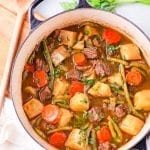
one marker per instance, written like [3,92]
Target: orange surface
[7,21]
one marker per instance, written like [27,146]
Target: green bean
[115,131]
[88,131]
[40,133]
[38,121]
[140,70]
[117,60]
[139,65]
[60,129]
[49,61]
[93,136]
[127,96]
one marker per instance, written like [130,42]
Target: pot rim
[38,26]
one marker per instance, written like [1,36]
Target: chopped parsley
[89,82]
[84,100]
[57,72]
[112,47]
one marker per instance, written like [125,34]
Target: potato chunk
[79,45]
[90,31]
[33,108]
[59,54]
[60,86]
[116,78]
[142,100]
[68,37]
[131,125]
[77,140]
[130,52]
[66,116]
[79,102]
[100,89]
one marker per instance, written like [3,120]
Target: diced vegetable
[40,78]
[33,108]
[116,78]
[68,37]
[142,100]
[49,62]
[60,86]
[130,52]
[134,78]
[79,102]
[31,90]
[51,114]
[59,55]
[58,139]
[29,68]
[79,45]
[100,89]
[65,118]
[115,131]
[75,87]
[131,125]
[79,59]
[90,31]
[77,140]
[103,134]
[111,36]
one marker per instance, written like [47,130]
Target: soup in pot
[86,87]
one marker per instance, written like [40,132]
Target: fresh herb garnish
[115,88]
[112,47]
[69,5]
[63,103]
[57,72]
[80,119]
[84,100]
[82,138]
[89,82]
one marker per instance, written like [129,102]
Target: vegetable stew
[86,87]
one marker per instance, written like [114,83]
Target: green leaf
[112,47]
[69,5]
[57,72]
[89,82]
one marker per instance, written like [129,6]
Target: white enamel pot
[60,21]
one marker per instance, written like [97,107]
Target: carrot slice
[40,78]
[29,68]
[51,114]
[134,77]
[58,139]
[104,134]
[111,36]
[75,86]
[79,59]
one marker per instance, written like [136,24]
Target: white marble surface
[15,137]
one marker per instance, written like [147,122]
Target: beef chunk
[45,94]
[102,68]
[73,75]
[90,52]
[120,111]
[41,65]
[106,146]
[95,114]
